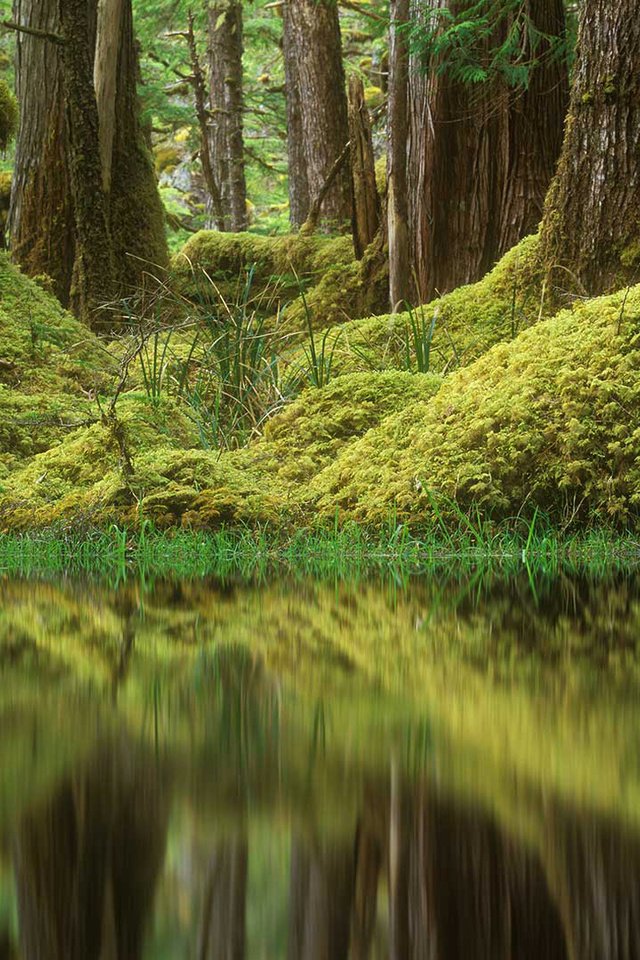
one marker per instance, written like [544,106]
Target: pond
[441,768]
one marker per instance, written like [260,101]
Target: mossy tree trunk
[41,224]
[316,81]
[93,281]
[226,93]
[480,157]
[100,246]
[591,227]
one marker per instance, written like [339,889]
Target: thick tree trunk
[45,234]
[591,227]
[299,199]
[366,203]
[397,205]
[136,214]
[93,281]
[227,144]
[480,158]
[41,226]
[313,31]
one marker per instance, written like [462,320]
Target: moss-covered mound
[31,423]
[310,433]
[551,419]
[468,321]
[42,347]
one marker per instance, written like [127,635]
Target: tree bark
[480,157]
[41,224]
[222,932]
[591,227]
[322,881]
[299,198]
[227,143]
[93,281]
[318,89]
[397,205]
[366,203]
[45,234]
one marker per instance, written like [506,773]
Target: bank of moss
[42,346]
[549,420]
[468,321]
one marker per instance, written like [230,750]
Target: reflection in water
[164,754]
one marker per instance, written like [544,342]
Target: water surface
[440,769]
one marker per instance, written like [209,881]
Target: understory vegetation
[214,402]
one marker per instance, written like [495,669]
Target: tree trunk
[480,157]
[313,32]
[591,227]
[227,144]
[366,203]
[322,880]
[136,214]
[46,236]
[397,206]
[93,281]
[299,199]
[41,224]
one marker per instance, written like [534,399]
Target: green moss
[166,158]
[42,347]
[469,321]
[308,434]
[8,115]
[32,423]
[551,420]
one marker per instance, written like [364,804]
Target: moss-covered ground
[487,404]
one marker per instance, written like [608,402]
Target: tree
[591,227]
[85,209]
[317,99]
[226,137]
[482,129]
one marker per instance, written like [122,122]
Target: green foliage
[8,115]
[483,41]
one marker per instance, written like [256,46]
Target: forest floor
[256,385]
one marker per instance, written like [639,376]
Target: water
[444,769]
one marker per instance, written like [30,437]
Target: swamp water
[440,769]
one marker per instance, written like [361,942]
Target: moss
[166,158]
[8,115]
[42,347]
[32,423]
[469,321]
[225,256]
[308,434]
[83,480]
[551,420]
[381,176]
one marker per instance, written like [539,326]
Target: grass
[338,551]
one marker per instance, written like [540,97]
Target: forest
[283,263]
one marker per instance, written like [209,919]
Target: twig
[311,222]
[33,32]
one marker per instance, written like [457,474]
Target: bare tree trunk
[366,203]
[397,206]
[322,881]
[299,198]
[41,225]
[591,224]
[105,79]
[93,281]
[227,144]
[313,31]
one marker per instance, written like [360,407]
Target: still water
[444,769]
